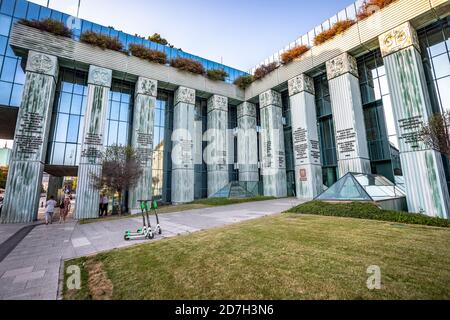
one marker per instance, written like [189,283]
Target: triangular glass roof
[346,188]
[234,189]
[361,187]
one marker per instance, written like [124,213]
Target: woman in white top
[50,210]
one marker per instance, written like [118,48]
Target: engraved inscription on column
[346,141]
[29,136]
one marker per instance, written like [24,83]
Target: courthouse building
[354,103]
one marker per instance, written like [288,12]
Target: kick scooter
[146,231]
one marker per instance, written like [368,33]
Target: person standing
[100,206]
[50,210]
[105,202]
[65,209]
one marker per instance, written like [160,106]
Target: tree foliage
[121,169]
[435,133]
[156,37]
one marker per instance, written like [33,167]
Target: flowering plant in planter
[217,74]
[264,70]
[145,53]
[101,41]
[49,25]
[243,82]
[293,53]
[338,28]
[369,7]
[189,65]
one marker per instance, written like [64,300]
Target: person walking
[65,209]
[50,210]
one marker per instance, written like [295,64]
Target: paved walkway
[31,270]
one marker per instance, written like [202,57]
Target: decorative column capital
[42,63]
[301,83]
[246,109]
[99,76]
[341,65]
[269,98]
[216,102]
[185,95]
[398,38]
[147,87]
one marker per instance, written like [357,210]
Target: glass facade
[381,134]
[64,146]
[288,144]
[119,115]
[200,170]
[326,130]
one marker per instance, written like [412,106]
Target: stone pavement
[32,269]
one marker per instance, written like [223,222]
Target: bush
[264,70]
[364,210]
[367,8]
[188,65]
[243,82]
[49,25]
[145,53]
[102,41]
[293,53]
[217,74]
[338,28]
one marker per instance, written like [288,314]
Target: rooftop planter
[145,53]
[243,82]
[369,7]
[102,41]
[338,28]
[49,25]
[294,53]
[217,74]
[188,65]
[264,70]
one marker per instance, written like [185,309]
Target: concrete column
[142,139]
[54,184]
[348,116]
[99,85]
[217,149]
[247,143]
[272,145]
[308,168]
[422,167]
[23,186]
[183,146]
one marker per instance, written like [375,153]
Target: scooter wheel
[151,235]
[159,231]
[126,238]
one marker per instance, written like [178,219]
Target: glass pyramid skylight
[362,187]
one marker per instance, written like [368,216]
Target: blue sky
[242,33]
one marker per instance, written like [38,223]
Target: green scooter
[146,231]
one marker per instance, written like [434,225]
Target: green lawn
[198,204]
[288,256]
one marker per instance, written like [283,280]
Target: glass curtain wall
[64,146]
[232,124]
[119,115]
[162,152]
[200,170]
[326,130]
[289,147]
[378,115]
